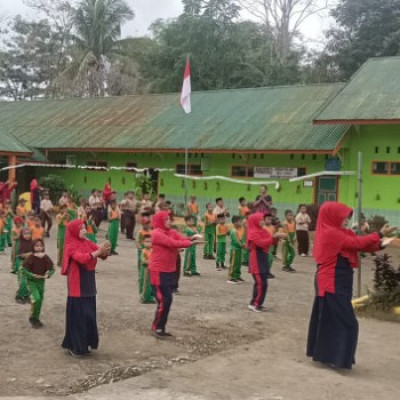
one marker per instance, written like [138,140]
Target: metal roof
[372,95]
[9,144]
[270,119]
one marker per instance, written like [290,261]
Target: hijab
[330,236]
[159,220]
[254,230]
[73,243]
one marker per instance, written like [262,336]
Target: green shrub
[55,185]
[386,283]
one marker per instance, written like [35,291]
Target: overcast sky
[149,10]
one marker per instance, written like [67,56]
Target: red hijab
[159,220]
[33,187]
[254,230]
[330,236]
[107,192]
[74,243]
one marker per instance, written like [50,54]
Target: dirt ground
[208,317]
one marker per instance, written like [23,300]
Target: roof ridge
[296,86]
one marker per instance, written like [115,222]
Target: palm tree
[96,43]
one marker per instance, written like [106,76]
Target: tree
[32,58]
[96,39]
[365,28]
[283,19]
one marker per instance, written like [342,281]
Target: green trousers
[36,294]
[145,290]
[190,260]
[92,237]
[271,256]
[235,263]
[3,241]
[209,237]
[22,291]
[60,244]
[245,257]
[221,252]
[9,226]
[289,252]
[113,232]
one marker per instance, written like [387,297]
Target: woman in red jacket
[79,264]
[166,243]
[333,331]
[259,241]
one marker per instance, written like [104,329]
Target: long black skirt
[81,325]
[333,331]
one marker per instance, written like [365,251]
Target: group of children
[215,232]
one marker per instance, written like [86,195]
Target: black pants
[128,223]
[178,272]
[303,242]
[46,218]
[259,289]
[98,216]
[163,292]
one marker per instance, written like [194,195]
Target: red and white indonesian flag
[186,89]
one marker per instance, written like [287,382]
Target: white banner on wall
[275,172]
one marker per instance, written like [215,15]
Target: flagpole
[186,169]
[187,107]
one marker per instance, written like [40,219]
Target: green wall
[381,193]
[290,195]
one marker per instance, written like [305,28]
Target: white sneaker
[303,255]
[253,308]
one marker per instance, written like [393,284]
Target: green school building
[306,138]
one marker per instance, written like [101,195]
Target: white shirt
[46,205]
[302,221]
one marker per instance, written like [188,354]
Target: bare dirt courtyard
[221,351]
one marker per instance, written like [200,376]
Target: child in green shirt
[189,266]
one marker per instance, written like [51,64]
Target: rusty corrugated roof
[371,95]
[275,119]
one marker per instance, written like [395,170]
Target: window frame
[389,163]
[247,171]
[189,169]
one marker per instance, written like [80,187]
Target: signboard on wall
[275,172]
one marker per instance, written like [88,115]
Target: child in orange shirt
[3,231]
[222,231]
[114,216]
[21,210]
[289,250]
[37,229]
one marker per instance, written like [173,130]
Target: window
[97,164]
[376,150]
[301,171]
[193,169]
[395,168]
[131,165]
[380,167]
[314,157]
[242,171]
[387,150]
